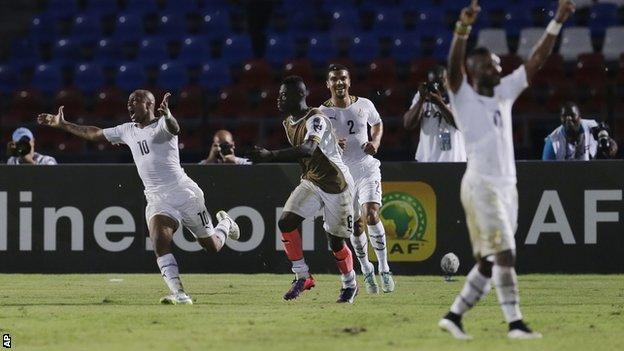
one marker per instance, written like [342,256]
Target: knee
[505,258]
[372,214]
[358,227]
[336,243]
[208,245]
[485,267]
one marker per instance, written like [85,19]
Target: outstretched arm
[291,154]
[457,54]
[58,121]
[544,46]
[172,124]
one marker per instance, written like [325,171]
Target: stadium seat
[317,93]
[299,67]
[279,48]
[232,102]
[130,76]
[255,74]
[64,52]
[321,49]
[388,20]
[405,47]
[394,101]
[494,39]
[215,75]
[382,73]
[590,67]
[153,51]
[25,104]
[172,76]
[613,45]
[47,78]
[86,28]
[418,70]
[364,48]
[442,46]
[181,7]
[129,27]
[88,77]
[62,9]
[194,51]
[142,7]
[190,103]
[430,22]
[552,72]
[110,103]
[528,38]
[107,53]
[23,54]
[73,100]
[515,19]
[602,15]
[237,49]
[101,7]
[8,79]
[215,24]
[267,103]
[172,26]
[575,41]
[344,21]
[43,29]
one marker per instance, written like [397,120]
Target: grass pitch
[246,312]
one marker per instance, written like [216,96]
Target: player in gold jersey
[325,184]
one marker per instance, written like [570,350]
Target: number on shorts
[204,217]
[350,221]
[351,125]
[143,147]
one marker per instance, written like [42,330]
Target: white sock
[348,280]
[506,283]
[301,269]
[360,245]
[378,241]
[169,270]
[221,231]
[477,285]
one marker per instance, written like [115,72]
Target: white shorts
[491,215]
[307,199]
[183,202]
[367,189]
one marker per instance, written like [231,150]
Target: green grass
[246,312]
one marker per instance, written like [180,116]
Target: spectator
[21,150]
[577,138]
[222,150]
[440,140]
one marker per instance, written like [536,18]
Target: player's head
[141,105]
[484,67]
[338,80]
[438,75]
[292,94]
[570,118]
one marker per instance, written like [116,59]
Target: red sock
[344,260]
[292,245]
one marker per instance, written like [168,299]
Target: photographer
[222,150]
[21,150]
[578,139]
[440,140]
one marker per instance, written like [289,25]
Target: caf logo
[408,215]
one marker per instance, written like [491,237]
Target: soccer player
[325,184]
[173,199]
[488,189]
[351,116]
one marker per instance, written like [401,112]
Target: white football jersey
[486,125]
[352,123]
[433,129]
[154,150]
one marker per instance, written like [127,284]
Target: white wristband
[554,27]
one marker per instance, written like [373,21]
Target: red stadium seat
[299,67]
[266,105]
[394,101]
[190,103]
[590,67]
[318,94]
[256,73]
[552,73]
[110,104]
[74,102]
[191,141]
[232,102]
[247,135]
[382,73]
[418,70]
[24,107]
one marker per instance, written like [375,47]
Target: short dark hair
[291,80]
[337,67]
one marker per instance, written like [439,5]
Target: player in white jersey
[488,189]
[173,199]
[350,116]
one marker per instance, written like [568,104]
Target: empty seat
[86,28]
[190,102]
[528,38]
[382,73]
[64,52]
[107,53]
[232,102]
[88,77]
[172,26]
[182,7]
[130,76]
[388,20]
[602,15]
[62,9]
[613,45]
[364,48]
[8,79]
[299,67]
[575,41]
[101,7]
[237,49]
[47,78]
[405,47]
[321,49]
[142,7]
[215,23]
[153,51]
[494,39]
[43,29]
[215,75]
[194,51]
[172,76]
[128,27]
[256,73]
[279,48]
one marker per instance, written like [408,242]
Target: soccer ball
[449,263]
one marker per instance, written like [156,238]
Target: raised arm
[58,121]
[291,154]
[172,124]
[457,54]
[544,46]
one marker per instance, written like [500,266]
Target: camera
[22,147]
[432,87]
[601,134]
[226,149]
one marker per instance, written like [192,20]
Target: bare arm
[372,146]
[457,53]
[58,121]
[411,118]
[291,154]
[172,124]
[545,45]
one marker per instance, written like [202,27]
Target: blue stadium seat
[364,48]
[47,78]
[302,22]
[172,26]
[389,20]
[215,75]
[215,24]
[86,28]
[405,47]
[321,49]
[107,53]
[129,27]
[442,45]
[101,7]
[62,9]
[181,7]
[152,51]
[23,54]
[344,20]
[8,79]
[194,51]
[279,49]
[130,76]
[88,77]
[332,6]
[216,5]
[237,49]
[43,29]
[64,52]
[516,18]
[142,7]
[602,15]
[430,21]
[172,76]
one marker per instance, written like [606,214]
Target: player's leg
[378,241]
[302,203]
[161,229]
[359,241]
[344,261]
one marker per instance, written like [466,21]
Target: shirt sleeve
[415,100]
[513,84]
[373,115]
[549,151]
[316,126]
[115,135]
[242,161]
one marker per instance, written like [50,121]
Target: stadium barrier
[90,218]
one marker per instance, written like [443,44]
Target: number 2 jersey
[325,167]
[154,150]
